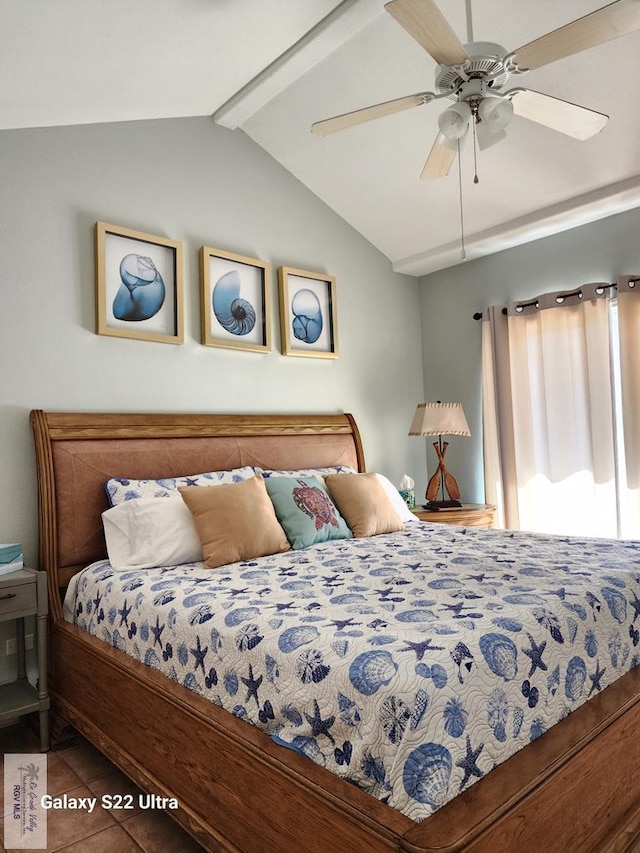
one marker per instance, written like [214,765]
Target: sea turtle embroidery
[313,501]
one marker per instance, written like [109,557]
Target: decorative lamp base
[436,505]
[442,479]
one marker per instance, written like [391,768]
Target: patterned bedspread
[410,663]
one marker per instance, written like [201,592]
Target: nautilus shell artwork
[307,316]
[235,314]
[142,291]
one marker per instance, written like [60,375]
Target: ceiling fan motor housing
[486,60]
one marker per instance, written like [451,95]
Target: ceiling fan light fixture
[453,122]
[495,113]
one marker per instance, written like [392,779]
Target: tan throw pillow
[363,503]
[235,522]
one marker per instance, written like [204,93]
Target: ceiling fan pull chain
[476,179]
[463,254]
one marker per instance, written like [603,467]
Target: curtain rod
[478,314]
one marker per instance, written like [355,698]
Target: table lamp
[440,419]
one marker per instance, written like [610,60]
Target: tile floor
[80,771]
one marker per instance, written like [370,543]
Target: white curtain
[628,315]
[498,438]
[552,459]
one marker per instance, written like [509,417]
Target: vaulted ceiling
[270,68]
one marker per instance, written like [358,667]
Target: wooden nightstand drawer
[18,599]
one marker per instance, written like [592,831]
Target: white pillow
[396,499]
[148,532]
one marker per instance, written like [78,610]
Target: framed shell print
[138,285]
[308,313]
[236,301]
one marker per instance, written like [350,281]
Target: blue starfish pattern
[535,654]
[421,647]
[157,631]
[199,654]
[253,685]
[320,726]
[469,765]
[636,606]
[124,614]
[596,678]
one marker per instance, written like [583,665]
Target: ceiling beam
[343,22]
[607,201]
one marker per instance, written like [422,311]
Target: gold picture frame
[308,313]
[236,301]
[139,285]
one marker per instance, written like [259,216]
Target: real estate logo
[25,819]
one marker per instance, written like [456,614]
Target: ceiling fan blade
[610,22]
[424,21]
[439,161]
[563,116]
[341,122]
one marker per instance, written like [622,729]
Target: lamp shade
[454,121]
[439,419]
[495,113]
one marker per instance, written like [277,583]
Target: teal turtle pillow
[305,511]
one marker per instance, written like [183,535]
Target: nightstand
[24,593]
[474,515]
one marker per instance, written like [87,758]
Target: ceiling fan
[473,76]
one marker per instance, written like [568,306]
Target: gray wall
[193,181]
[452,339]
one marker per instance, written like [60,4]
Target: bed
[572,788]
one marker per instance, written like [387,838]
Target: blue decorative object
[10,558]
[234,314]
[142,292]
[408,496]
[307,316]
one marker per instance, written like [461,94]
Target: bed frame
[576,788]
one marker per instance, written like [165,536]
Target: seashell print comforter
[410,663]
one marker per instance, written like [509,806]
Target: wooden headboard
[77,452]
